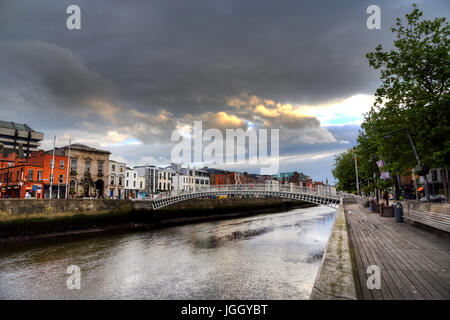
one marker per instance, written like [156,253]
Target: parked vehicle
[434,198]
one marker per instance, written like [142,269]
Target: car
[434,198]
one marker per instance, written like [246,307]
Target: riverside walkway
[414,264]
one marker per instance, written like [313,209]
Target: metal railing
[325,191]
[321,195]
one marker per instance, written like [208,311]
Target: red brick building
[218,177]
[236,178]
[20,181]
[31,178]
[44,161]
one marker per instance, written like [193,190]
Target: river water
[270,256]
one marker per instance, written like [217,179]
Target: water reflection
[273,256]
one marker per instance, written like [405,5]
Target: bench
[433,219]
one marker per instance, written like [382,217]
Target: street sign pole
[52,165]
[67,174]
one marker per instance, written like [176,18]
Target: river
[270,256]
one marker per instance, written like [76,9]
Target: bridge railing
[322,191]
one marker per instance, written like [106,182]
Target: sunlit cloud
[342,112]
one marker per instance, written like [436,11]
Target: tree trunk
[396,189]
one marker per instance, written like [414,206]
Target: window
[113,167]
[135,175]
[120,181]
[18,176]
[61,164]
[112,180]
[100,168]
[434,175]
[73,165]
[128,174]
[121,169]
[134,184]
[30,175]
[61,178]
[72,186]
[127,183]
[39,175]
[87,165]
[140,185]
[51,177]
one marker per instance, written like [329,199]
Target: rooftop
[79,146]
[15,125]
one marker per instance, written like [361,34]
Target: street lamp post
[388,135]
[373,159]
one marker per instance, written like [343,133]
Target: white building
[116,179]
[149,173]
[190,180]
[183,183]
[272,185]
[131,183]
[141,187]
[156,179]
[164,179]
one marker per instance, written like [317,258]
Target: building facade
[182,183]
[141,185]
[272,185]
[36,177]
[116,179]
[218,176]
[149,173]
[89,170]
[131,184]
[54,181]
[17,135]
[164,181]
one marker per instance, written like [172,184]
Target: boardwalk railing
[322,196]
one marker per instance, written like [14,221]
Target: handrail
[325,191]
[315,195]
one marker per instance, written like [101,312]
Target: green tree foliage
[414,93]
[344,171]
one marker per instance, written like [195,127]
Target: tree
[344,171]
[414,93]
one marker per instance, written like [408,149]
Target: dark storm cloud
[53,72]
[189,56]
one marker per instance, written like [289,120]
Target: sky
[139,70]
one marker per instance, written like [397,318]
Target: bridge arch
[327,200]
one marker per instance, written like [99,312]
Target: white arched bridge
[322,196]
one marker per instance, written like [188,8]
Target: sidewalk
[414,264]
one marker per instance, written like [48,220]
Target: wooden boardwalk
[414,264]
